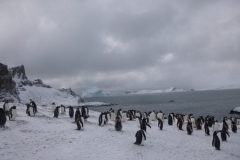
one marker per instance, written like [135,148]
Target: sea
[217,103]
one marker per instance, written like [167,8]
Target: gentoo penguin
[85,112]
[193,122]
[101,119]
[3,118]
[130,115]
[206,129]
[225,125]
[6,107]
[229,122]
[71,112]
[12,113]
[202,119]
[77,113]
[124,116]
[140,137]
[29,110]
[170,119]
[213,120]
[119,113]
[63,110]
[56,112]
[216,126]
[139,121]
[144,124]
[234,127]
[209,119]
[189,127]
[179,123]
[224,134]
[112,115]
[106,117]
[215,140]
[79,123]
[199,124]
[53,107]
[33,104]
[160,123]
[118,124]
[160,115]
[139,114]
[152,116]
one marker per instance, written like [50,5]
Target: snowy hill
[172,89]
[44,137]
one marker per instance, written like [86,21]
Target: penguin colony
[143,121]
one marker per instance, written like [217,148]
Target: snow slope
[44,137]
[94,92]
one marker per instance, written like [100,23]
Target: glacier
[95,91]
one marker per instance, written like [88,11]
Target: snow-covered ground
[46,138]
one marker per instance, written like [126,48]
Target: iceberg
[95,92]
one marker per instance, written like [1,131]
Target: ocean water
[217,103]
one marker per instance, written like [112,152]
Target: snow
[45,137]
[237,109]
[172,89]
[95,92]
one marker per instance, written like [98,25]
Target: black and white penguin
[224,134]
[209,119]
[118,124]
[160,123]
[3,118]
[140,137]
[77,114]
[119,113]
[33,104]
[29,110]
[199,123]
[189,127]
[85,112]
[160,115]
[225,125]
[130,115]
[170,119]
[53,107]
[215,140]
[79,122]
[71,112]
[6,107]
[193,120]
[139,121]
[234,127]
[216,126]
[144,125]
[152,116]
[107,118]
[12,113]
[63,109]
[101,119]
[139,114]
[112,114]
[124,116]
[56,112]
[179,123]
[206,129]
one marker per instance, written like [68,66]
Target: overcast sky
[123,44]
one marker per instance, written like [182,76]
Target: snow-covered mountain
[94,92]
[172,89]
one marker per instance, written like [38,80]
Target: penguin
[85,112]
[179,123]
[193,122]
[189,128]
[101,119]
[144,124]
[79,123]
[77,113]
[29,110]
[106,118]
[224,133]
[119,113]
[118,124]
[225,125]
[112,115]
[140,137]
[33,104]
[130,115]
[152,117]
[71,112]
[53,107]
[229,122]
[199,124]
[170,120]
[139,121]
[234,127]
[213,120]
[56,112]
[209,119]
[160,123]
[216,126]
[160,115]
[3,118]
[146,115]
[63,109]
[215,140]
[202,119]
[138,114]
[6,107]
[206,129]
[12,113]
[124,116]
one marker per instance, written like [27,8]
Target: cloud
[123,45]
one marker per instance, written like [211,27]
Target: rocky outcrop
[8,89]
[69,91]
